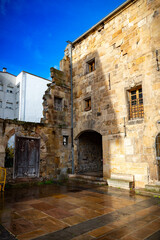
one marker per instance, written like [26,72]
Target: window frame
[9,89]
[11,107]
[65,143]
[135,103]
[55,106]
[91,64]
[1,87]
[87,104]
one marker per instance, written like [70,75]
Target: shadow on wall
[95,120]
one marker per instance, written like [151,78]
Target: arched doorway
[158,155]
[90,153]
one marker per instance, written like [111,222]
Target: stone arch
[89,153]
[8,135]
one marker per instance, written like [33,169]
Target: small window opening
[65,140]
[0,104]
[17,104]
[9,89]
[9,105]
[87,104]
[58,103]
[1,87]
[136,103]
[91,65]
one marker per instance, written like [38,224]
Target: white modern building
[21,96]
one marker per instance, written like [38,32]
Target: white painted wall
[33,89]
[27,96]
[7,81]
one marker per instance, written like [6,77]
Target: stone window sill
[135,121]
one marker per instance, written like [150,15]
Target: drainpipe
[72,144]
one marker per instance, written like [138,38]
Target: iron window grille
[136,104]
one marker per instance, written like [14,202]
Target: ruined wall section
[57,113]
[124,48]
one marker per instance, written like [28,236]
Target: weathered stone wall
[124,48]
[60,119]
[37,130]
[55,156]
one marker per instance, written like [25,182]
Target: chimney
[4,69]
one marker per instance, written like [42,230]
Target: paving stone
[5,235]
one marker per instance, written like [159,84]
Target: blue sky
[33,33]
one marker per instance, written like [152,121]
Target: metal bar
[136,108]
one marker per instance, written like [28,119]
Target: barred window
[136,103]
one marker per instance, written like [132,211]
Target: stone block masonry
[123,48]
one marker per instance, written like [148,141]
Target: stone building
[116,94]
[116,99]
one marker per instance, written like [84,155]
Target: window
[17,96]
[58,103]
[65,140]
[17,104]
[9,89]
[0,104]
[9,105]
[1,87]
[87,104]
[136,103]
[91,66]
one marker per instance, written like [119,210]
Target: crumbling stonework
[53,132]
[57,112]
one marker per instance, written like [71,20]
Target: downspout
[72,143]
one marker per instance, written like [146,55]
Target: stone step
[122,176]
[153,187]
[88,179]
[120,183]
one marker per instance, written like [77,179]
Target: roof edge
[123,5]
[35,75]
[8,73]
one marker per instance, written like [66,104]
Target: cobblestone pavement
[78,212]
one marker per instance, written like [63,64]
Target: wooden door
[27,153]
